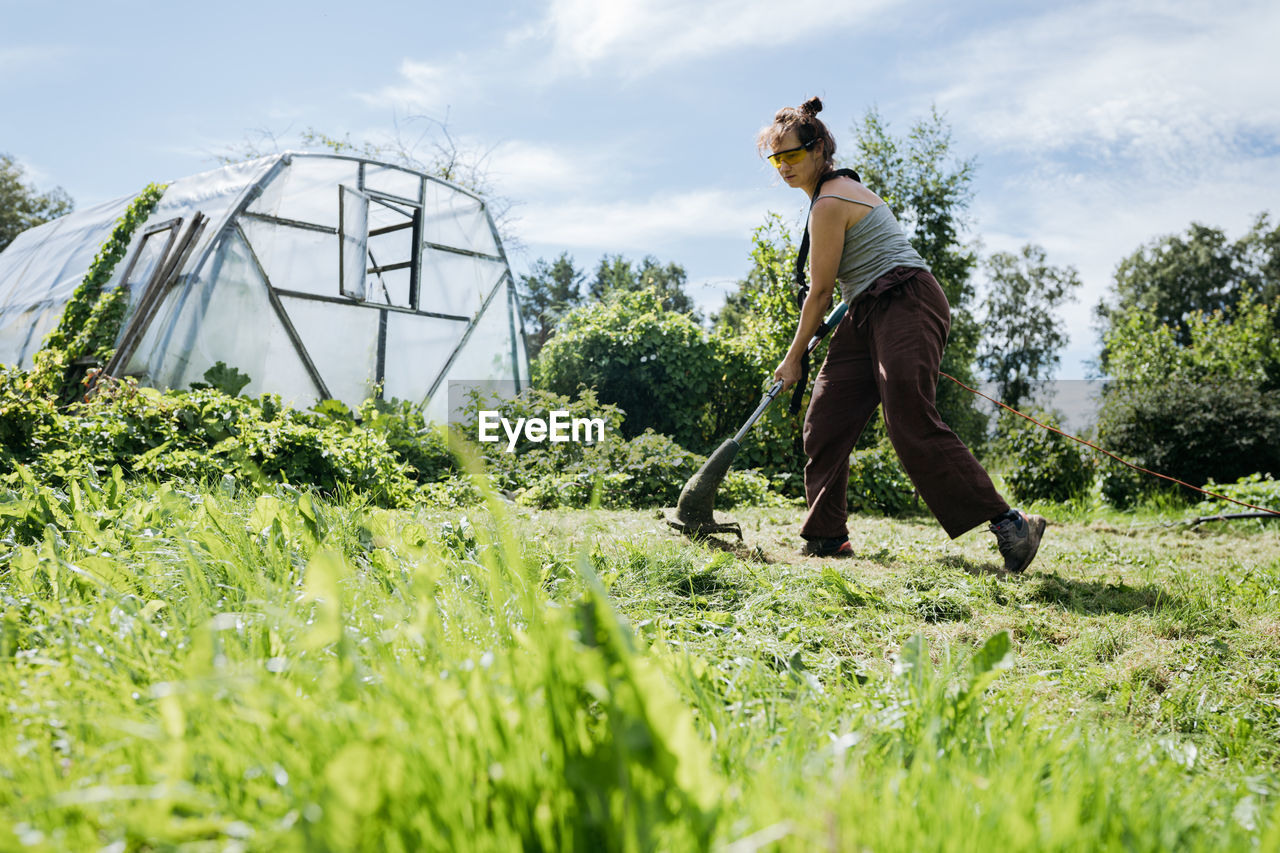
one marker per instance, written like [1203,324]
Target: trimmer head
[693,512]
[694,516]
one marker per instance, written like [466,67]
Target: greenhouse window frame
[412,211]
[173,226]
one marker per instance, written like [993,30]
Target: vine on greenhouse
[91,321]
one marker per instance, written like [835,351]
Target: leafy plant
[228,380]
[648,470]
[939,714]
[1257,489]
[1208,409]
[659,367]
[25,414]
[1120,485]
[1039,464]
[423,448]
[202,435]
[91,320]
[877,483]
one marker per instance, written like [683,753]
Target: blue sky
[629,126]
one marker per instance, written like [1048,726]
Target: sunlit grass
[203,669]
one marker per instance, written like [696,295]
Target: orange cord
[1107,452]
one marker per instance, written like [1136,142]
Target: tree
[659,366]
[929,189]
[766,322]
[547,292]
[1260,255]
[1209,408]
[21,206]
[1022,335]
[732,317]
[1190,338]
[772,250]
[616,274]
[1172,277]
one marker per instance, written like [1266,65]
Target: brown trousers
[886,351]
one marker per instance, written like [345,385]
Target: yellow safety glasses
[792,155]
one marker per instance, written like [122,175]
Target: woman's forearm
[811,315]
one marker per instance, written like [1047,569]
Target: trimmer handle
[832,320]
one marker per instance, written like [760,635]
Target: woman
[886,351]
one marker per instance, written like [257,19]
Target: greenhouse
[318,276]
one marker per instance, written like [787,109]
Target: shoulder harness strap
[802,285]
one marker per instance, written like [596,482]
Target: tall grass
[201,669]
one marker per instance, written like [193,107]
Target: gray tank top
[872,247]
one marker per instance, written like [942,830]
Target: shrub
[202,435]
[660,368]
[387,452]
[530,461]
[24,415]
[746,488]
[452,492]
[1193,431]
[1042,465]
[1209,409]
[1256,489]
[1121,486]
[649,470]
[655,469]
[877,483]
[424,449]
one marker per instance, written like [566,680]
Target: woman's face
[801,174]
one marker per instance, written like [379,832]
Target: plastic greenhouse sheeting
[40,270]
[317,275]
[487,353]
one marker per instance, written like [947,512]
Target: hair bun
[811,107]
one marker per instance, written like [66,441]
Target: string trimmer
[694,516]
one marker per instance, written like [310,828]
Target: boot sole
[837,554]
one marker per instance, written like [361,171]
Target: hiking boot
[1018,537]
[836,546]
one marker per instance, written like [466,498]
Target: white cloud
[625,225]
[1155,81]
[520,169]
[33,174]
[423,88]
[14,60]
[1109,125]
[1093,223]
[637,36]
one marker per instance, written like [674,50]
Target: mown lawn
[206,670]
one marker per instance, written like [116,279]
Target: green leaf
[228,380]
[995,655]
